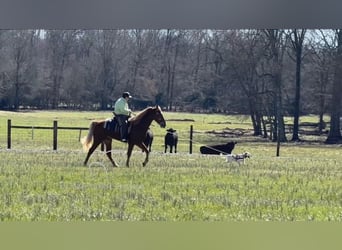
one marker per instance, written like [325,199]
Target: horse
[148,140]
[138,126]
[171,139]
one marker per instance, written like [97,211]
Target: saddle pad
[110,124]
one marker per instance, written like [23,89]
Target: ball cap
[126,94]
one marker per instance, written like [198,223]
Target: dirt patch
[181,120]
[238,132]
[220,122]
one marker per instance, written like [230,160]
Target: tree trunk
[335,130]
[297,44]
[173,73]
[321,101]
[280,125]
[264,127]
[255,117]
[296,114]
[17,84]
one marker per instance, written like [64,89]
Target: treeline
[264,73]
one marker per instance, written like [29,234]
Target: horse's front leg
[129,153]
[144,149]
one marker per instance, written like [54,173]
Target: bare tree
[168,66]
[21,55]
[321,70]
[276,47]
[335,113]
[107,47]
[197,38]
[216,70]
[60,46]
[3,75]
[297,39]
[216,53]
[246,54]
[144,63]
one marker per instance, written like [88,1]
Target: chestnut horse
[138,126]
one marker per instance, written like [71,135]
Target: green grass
[38,184]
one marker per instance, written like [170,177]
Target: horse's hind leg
[91,150]
[108,143]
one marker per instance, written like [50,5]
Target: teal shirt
[121,107]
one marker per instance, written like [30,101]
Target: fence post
[190,142]
[9,134]
[55,129]
[278,142]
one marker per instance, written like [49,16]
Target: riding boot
[123,133]
[122,121]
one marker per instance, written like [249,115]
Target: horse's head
[158,116]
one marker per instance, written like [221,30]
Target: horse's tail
[87,141]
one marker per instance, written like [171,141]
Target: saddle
[112,125]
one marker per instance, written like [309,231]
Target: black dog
[218,149]
[171,139]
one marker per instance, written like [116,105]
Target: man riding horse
[98,133]
[122,112]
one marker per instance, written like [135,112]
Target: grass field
[39,184]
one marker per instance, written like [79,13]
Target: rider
[122,113]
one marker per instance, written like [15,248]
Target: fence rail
[54,127]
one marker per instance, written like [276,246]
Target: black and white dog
[239,158]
